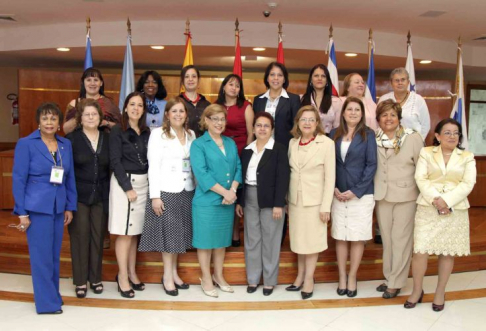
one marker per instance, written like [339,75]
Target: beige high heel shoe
[213,293]
[223,288]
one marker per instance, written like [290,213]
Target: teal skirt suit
[212,222]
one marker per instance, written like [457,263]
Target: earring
[38,127]
[310,84]
[59,128]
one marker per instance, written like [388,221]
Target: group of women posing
[184,171]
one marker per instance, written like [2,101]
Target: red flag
[280,53]
[237,67]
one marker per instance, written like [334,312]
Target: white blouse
[251,172]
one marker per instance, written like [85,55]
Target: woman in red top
[239,124]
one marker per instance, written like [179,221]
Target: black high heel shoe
[97,288]
[126,294]
[293,288]
[306,295]
[410,305]
[352,294]
[236,243]
[81,292]
[137,287]
[173,293]
[438,308]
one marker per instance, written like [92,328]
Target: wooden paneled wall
[37,86]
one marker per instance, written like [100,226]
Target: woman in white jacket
[168,218]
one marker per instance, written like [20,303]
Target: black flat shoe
[306,295]
[293,288]
[378,240]
[236,243]
[80,292]
[410,305]
[183,286]
[126,294]
[57,312]
[382,288]
[251,289]
[267,291]
[341,291]
[172,293]
[97,288]
[390,295]
[137,287]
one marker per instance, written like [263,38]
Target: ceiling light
[425,61]
[157,47]
[63,49]
[259,49]
[351,54]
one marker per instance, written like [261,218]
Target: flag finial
[409,36]
[330,31]
[459,42]
[129,26]
[280,28]
[188,23]
[370,34]
[88,24]
[237,24]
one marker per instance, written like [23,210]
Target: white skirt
[126,218]
[352,220]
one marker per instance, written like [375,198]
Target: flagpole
[457,87]
[370,41]
[237,31]
[280,51]
[409,36]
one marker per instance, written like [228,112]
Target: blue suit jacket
[32,189]
[211,167]
[356,173]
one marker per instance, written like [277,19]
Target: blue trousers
[44,236]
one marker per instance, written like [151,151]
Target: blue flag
[370,82]
[128,75]
[88,59]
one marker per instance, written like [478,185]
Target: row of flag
[458,111]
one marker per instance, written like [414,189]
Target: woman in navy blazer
[282,105]
[44,190]
[352,207]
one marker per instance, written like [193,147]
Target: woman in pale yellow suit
[312,178]
[445,175]
[395,194]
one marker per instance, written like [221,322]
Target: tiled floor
[461,315]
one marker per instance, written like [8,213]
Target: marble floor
[459,315]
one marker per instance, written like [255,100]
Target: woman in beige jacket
[312,177]
[445,176]
[395,194]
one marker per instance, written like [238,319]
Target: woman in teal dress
[217,168]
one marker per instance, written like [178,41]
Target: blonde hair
[210,111]
[166,124]
[296,130]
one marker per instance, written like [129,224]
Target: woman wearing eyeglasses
[415,114]
[266,173]
[445,176]
[216,166]
[312,178]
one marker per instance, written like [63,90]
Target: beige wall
[8,84]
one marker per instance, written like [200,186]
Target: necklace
[198,97]
[448,154]
[306,143]
[402,102]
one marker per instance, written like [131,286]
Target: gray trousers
[263,235]
[87,232]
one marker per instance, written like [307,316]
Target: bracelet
[23,216]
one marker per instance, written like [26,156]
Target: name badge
[57,173]
[186,165]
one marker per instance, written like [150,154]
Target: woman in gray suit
[395,194]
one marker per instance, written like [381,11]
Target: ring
[22,227]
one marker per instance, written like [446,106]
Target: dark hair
[266,115]
[327,99]
[386,106]
[185,70]
[48,108]
[161,91]
[241,96]
[142,125]
[440,125]
[91,72]
[81,106]
[296,133]
[166,124]
[342,130]
[284,71]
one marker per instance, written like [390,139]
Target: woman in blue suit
[352,207]
[44,190]
[217,169]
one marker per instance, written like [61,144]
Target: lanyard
[53,159]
